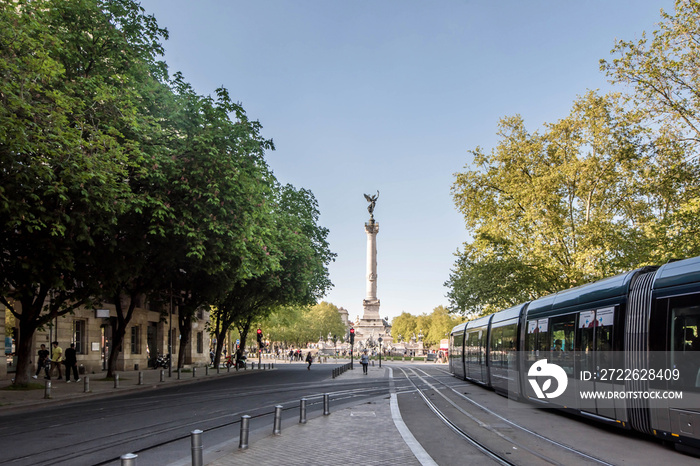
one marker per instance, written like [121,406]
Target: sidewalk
[368,434]
[62,392]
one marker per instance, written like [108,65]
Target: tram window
[685,339]
[562,341]
[497,359]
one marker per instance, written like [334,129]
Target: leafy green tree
[71,76]
[661,73]
[300,247]
[441,324]
[323,319]
[580,202]
[404,325]
[216,224]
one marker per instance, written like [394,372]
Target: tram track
[495,436]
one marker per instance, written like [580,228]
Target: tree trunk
[185,324]
[119,332]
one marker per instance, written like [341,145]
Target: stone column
[371,228]
[371,303]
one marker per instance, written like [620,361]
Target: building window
[80,336]
[200,342]
[136,339]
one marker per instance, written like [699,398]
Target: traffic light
[260,342]
[352,336]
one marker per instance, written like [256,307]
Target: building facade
[91,330]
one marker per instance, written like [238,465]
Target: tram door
[596,344]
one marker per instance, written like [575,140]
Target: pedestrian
[309,359]
[56,359]
[71,363]
[364,360]
[42,362]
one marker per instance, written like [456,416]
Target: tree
[216,220]
[300,247]
[70,83]
[662,71]
[404,325]
[441,324]
[661,75]
[580,202]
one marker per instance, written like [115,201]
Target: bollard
[245,427]
[129,459]
[86,384]
[140,378]
[302,411]
[178,373]
[47,390]
[194,372]
[197,457]
[162,375]
[326,404]
[277,425]
[228,368]
[206,370]
[116,380]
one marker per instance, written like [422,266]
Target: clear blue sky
[390,95]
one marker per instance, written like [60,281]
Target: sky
[390,96]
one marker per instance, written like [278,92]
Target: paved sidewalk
[366,434]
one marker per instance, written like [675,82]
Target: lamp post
[380,351]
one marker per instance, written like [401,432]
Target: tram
[624,351]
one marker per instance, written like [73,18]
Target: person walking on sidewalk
[71,363]
[364,360]
[309,359]
[56,359]
[42,362]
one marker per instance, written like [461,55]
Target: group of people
[55,360]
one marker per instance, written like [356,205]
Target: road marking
[416,448]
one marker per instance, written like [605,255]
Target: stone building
[91,331]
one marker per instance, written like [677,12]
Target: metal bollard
[277,425]
[197,450]
[129,459]
[302,411]
[162,375]
[326,404]
[140,378]
[206,370]
[47,390]
[178,373]
[116,380]
[245,428]
[194,372]
[86,384]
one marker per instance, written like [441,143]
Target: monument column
[371,228]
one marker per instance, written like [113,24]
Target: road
[156,424]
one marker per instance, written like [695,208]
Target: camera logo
[551,371]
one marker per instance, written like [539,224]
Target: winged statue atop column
[372,201]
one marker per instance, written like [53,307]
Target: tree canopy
[611,187]
[119,181]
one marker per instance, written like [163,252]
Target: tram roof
[678,273]
[599,291]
